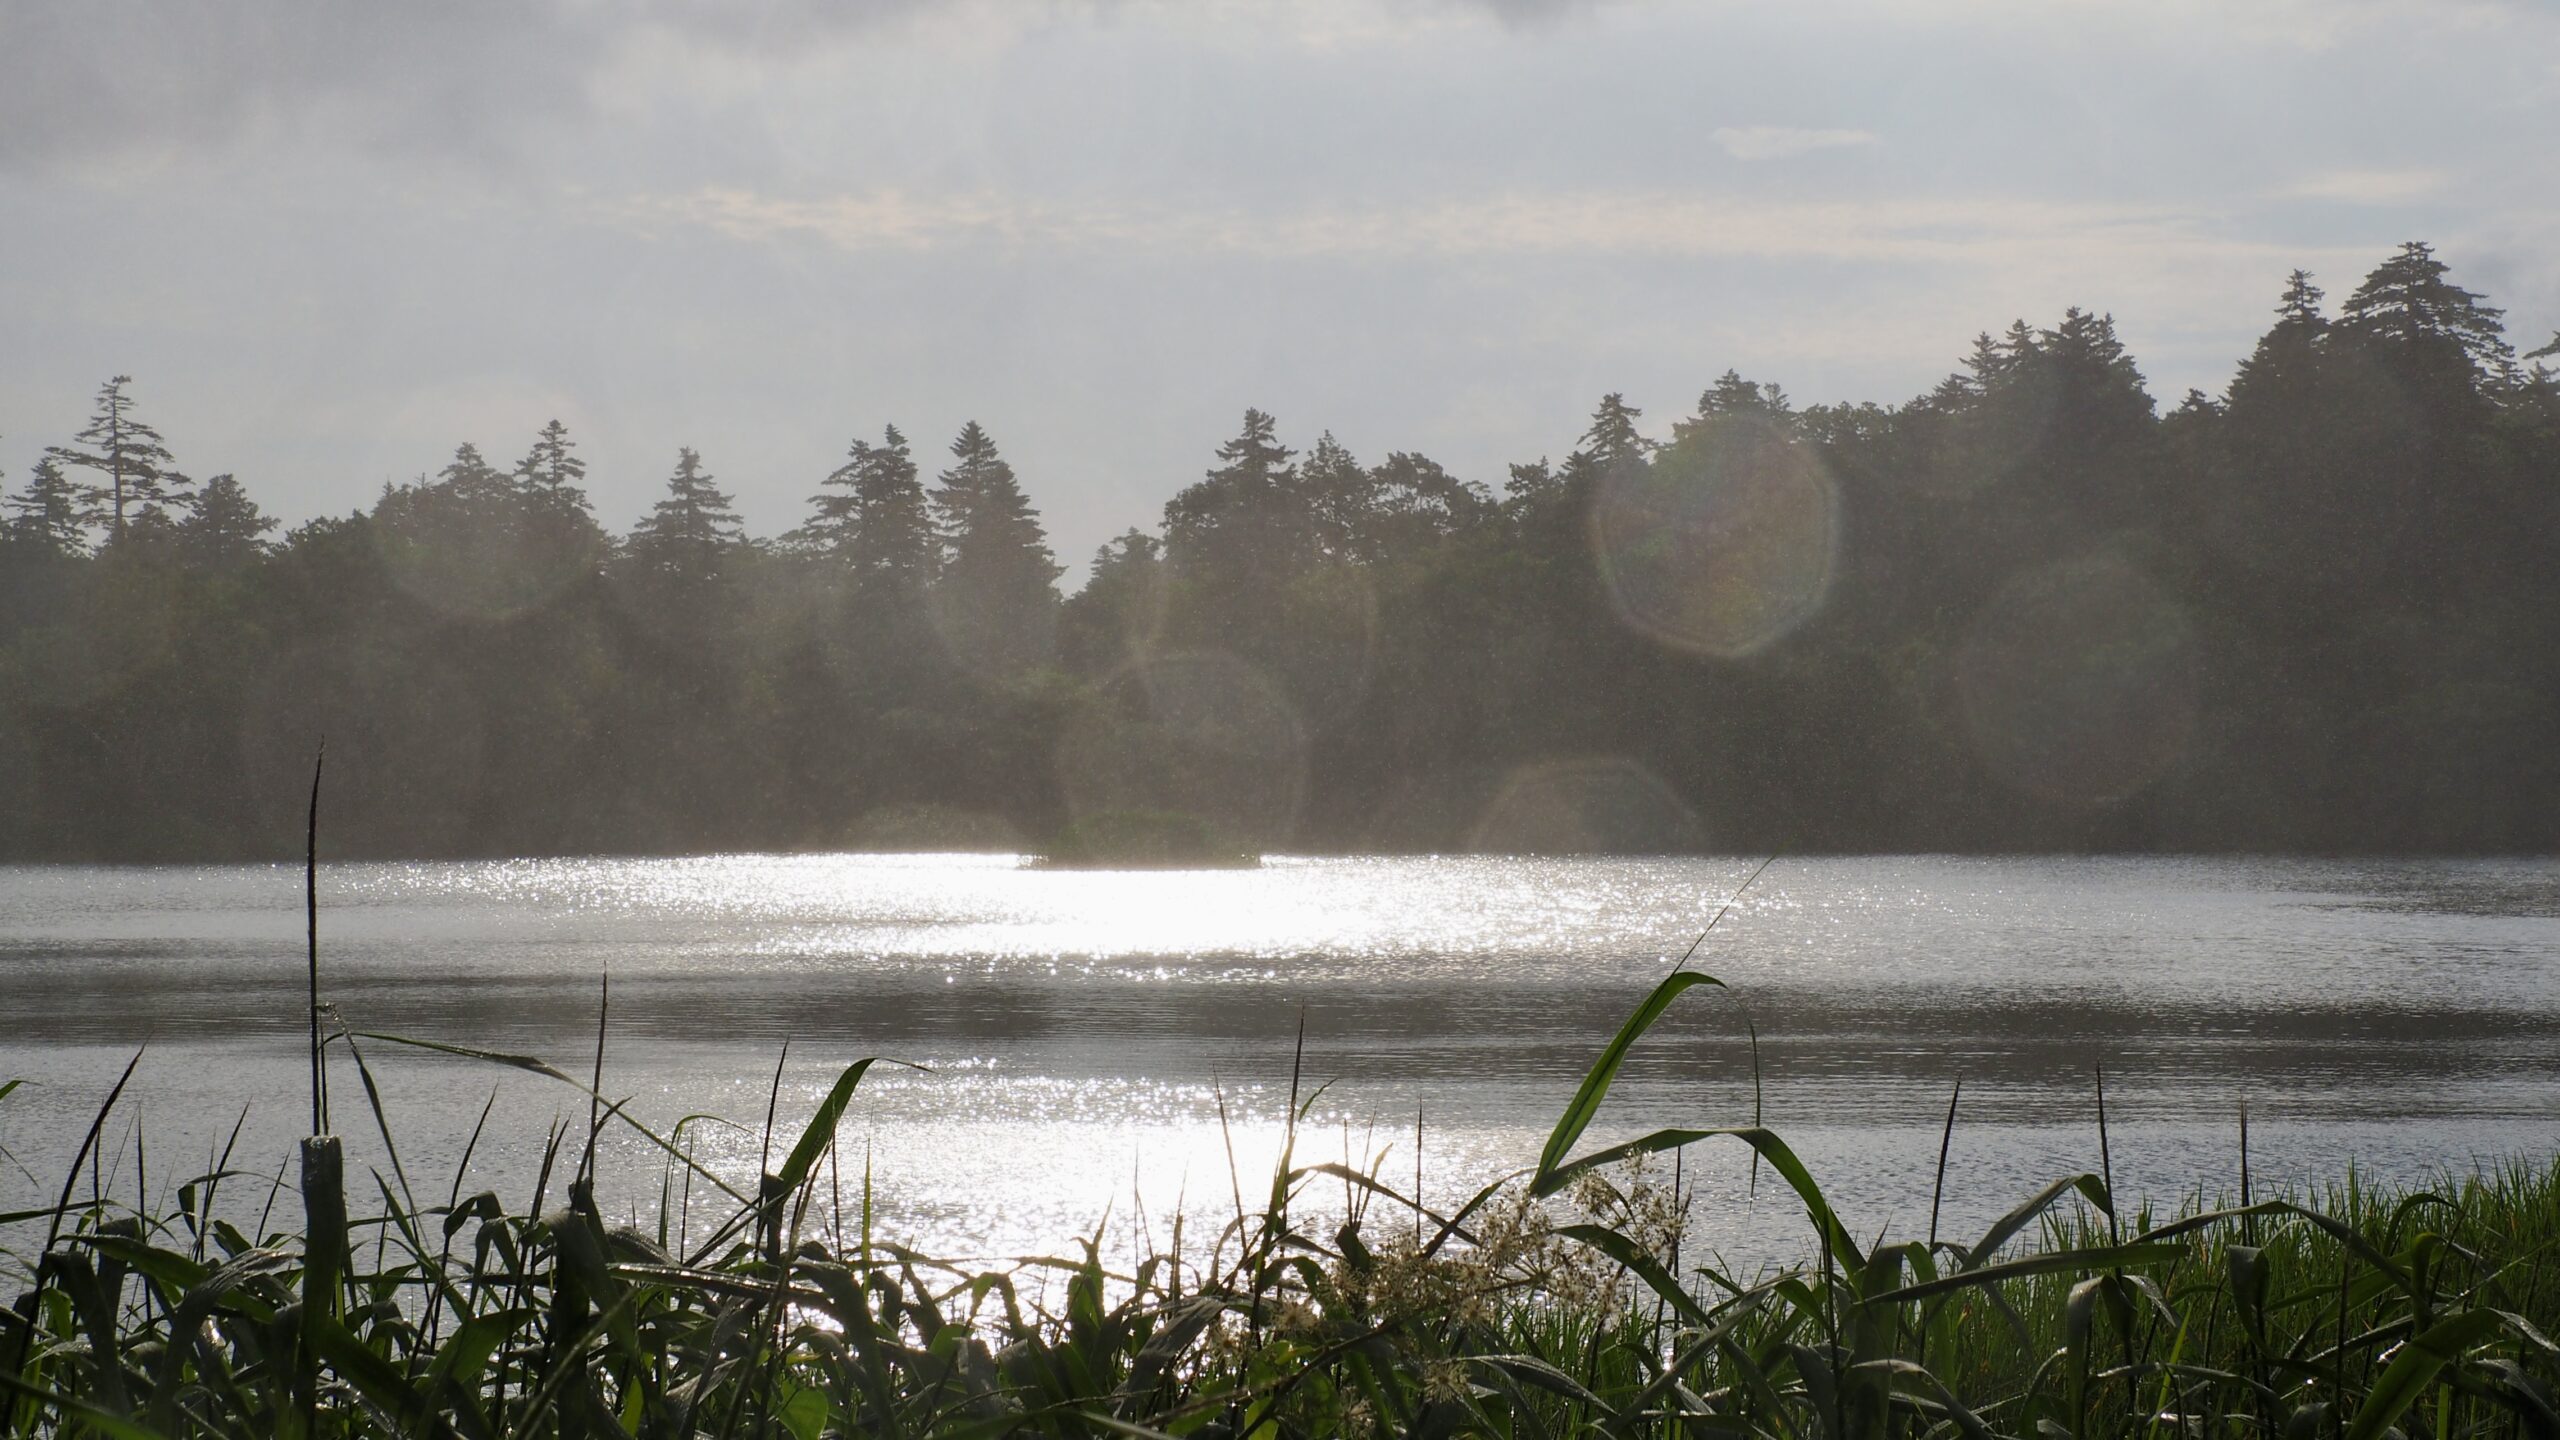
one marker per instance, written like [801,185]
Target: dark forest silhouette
[2023,611]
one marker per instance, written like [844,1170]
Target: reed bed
[1551,1304]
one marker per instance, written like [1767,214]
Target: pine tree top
[2409,298]
[1256,452]
[1613,438]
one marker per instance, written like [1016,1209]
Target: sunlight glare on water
[1080,1030]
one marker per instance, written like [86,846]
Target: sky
[331,242]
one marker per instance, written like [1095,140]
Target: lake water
[1081,1030]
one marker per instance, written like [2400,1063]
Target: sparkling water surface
[1080,1033]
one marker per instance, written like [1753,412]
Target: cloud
[85,81]
[1777,142]
[1666,224]
[2367,187]
[2300,25]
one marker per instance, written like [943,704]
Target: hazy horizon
[330,248]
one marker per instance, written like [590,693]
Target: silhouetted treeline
[2025,610]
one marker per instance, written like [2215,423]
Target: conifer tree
[471,479]
[893,542]
[997,591]
[474,541]
[2445,380]
[2407,304]
[225,527]
[989,531]
[137,475]
[835,511]
[551,474]
[1244,520]
[2289,353]
[1988,361]
[686,539]
[1114,617]
[1611,443]
[2098,395]
[51,512]
[1257,464]
[1613,438]
[956,491]
[1237,538]
[873,517]
[1964,387]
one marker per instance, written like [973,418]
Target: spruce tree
[137,476]
[471,480]
[893,543]
[997,592]
[225,528]
[955,492]
[51,512]
[2098,395]
[687,538]
[2287,356]
[550,474]
[1612,443]
[1244,521]
[989,531]
[1986,362]
[2408,305]
[1237,539]
[835,510]
[1613,438]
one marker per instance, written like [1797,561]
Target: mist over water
[1081,1030]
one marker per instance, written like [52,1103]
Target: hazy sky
[331,241]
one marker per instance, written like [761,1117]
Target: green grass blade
[2101,1257]
[1585,1106]
[2411,1371]
[821,1130]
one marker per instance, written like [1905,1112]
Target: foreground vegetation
[1556,1303]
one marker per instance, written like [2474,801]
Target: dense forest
[2027,610]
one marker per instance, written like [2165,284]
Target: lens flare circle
[1724,543]
[1606,805]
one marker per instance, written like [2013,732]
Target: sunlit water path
[1080,1029]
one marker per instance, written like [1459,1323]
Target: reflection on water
[1081,1028]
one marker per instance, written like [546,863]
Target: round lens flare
[1607,806]
[1724,543]
[470,572]
[1203,736]
[2079,682]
